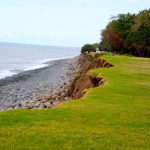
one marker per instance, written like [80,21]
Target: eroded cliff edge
[84,80]
[76,89]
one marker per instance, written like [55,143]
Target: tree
[122,24]
[88,48]
[95,45]
[139,38]
[128,33]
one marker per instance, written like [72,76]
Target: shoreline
[27,73]
[15,73]
[31,86]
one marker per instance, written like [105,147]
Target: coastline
[34,86]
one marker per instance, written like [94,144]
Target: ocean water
[15,58]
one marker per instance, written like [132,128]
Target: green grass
[115,116]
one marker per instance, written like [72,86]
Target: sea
[16,58]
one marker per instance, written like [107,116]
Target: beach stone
[63,94]
[66,90]
[17,107]
[36,104]
[55,103]
[57,99]
[66,98]
[30,107]
[20,105]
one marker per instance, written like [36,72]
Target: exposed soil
[84,80]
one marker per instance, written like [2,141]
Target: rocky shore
[40,88]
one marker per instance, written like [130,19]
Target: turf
[115,116]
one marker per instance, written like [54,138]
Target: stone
[66,98]
[36,104]
[20,105]
[63,94]
[55,103]
[16,107]
[41,106]
[47,105]
[67,91]
[30,107]
[57,99]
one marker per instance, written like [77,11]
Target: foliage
[111,117]
[96,45]
[88,48]
[140,40]
[128,33]
[105,44]
[122,24]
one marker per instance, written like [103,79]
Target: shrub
[88,48]
[96,46]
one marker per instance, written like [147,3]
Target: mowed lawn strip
[115,116]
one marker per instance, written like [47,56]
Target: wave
[17,58]
[10,72]
[27,67]
[6,73]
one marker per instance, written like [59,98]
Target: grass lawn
[115,116]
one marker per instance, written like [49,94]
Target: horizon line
[31,44]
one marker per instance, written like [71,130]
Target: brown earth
[84,80]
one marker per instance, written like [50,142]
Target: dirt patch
[84,80]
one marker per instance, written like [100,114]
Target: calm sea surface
[15,58]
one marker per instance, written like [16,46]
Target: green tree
[122,24]
[96,45]
[88,48]
[128,33]
[139,39]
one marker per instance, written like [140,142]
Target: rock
[63,94]
[30,107]
[26,105]
[65,83]
[20,105]
[55,103]
[41,106]
[57,99]
[66,98]
[66,91]
[36,104]
[47,105]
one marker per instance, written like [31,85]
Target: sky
[60,22]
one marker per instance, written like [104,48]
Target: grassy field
[115,116]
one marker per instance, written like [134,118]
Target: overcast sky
[60,22]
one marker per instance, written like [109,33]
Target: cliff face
[84,80]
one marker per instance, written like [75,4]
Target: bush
[88,48]
[96,46]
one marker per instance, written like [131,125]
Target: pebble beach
[30,88]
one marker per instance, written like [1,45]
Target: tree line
[125,34]
[128,34]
